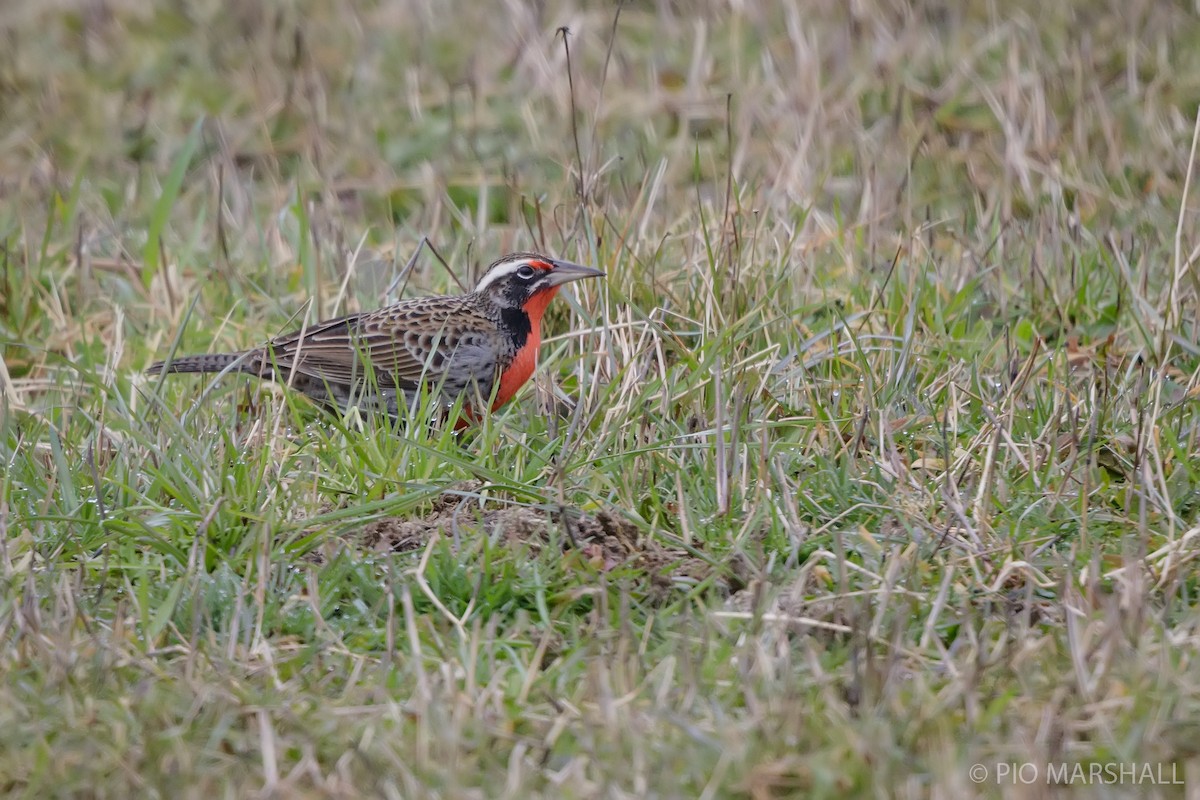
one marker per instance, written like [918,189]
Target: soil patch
[604,539]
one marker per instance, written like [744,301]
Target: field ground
[874,458]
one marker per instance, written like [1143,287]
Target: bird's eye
[525,272]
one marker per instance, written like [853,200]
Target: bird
[482,346]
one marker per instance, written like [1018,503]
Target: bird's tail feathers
[208,362]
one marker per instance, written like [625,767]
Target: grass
[884,420]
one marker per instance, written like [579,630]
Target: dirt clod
[604,539]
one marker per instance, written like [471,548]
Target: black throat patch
[516,325]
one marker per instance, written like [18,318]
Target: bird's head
[529,281]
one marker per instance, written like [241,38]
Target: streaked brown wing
[395,341]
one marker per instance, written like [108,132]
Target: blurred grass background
[884,419]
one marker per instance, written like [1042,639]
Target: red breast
[523,364]
[525,361]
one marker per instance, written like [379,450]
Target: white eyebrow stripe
[500,271]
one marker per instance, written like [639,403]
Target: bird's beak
[565,272]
